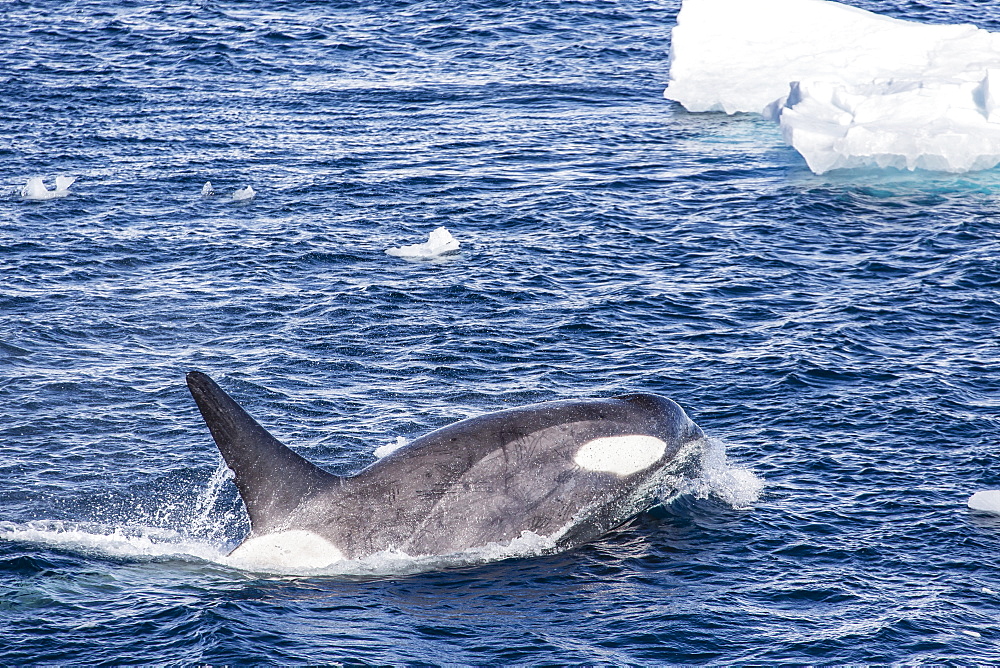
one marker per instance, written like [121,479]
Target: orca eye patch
[622,455]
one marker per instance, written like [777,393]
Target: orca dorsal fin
[272,479]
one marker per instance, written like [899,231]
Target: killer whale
[567,470]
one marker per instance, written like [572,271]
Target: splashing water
[389,448]
[140,543]
[701,469]
[133,542]
[200,536]
[735,486]
[206,523]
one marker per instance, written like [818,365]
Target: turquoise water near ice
[836,334]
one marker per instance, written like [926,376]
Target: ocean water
[836,336]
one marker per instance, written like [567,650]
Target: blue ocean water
[837,335]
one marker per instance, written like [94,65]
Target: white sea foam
[389,448]
[396,562]
[849,88]
[439,242]
[205,521]
[143,543]
[136,542]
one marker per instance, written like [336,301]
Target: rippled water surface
[837,335]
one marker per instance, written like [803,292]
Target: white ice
[987,501]
[438,242]
[207,190]
[849,88]
[35,188]
[244,194]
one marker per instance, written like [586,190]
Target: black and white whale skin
[568,471]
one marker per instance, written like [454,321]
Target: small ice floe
[438,243]
[35,189]
[239,195]
[244,194]
[987,501]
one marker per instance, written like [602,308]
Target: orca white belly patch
[622,455]
[287,549]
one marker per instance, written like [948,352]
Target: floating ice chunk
[987,501]
[849,88]
[207,190]
[244,194]
[933,125]
[438,242]
[35,188]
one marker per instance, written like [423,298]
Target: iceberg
[849,88]
[438,243]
